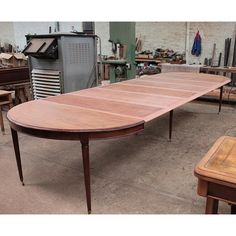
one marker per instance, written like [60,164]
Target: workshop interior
[118,117]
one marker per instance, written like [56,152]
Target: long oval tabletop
[115,106]
[108,111]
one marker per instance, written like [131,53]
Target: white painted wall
[212,32]
[153,35]
[162,35]
[171,35]
[14,32]
[6,33]
[23,28]
[102,30]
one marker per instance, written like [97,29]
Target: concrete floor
[141,173]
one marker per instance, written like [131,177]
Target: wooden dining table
[108,111]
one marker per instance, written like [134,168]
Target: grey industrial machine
[61,62]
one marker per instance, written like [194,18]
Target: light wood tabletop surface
[219,164]
[216,173]
[115,106]
[109,111]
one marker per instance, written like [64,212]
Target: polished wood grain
[104,112]
[174,80]
[127,97]
[187,86]
[45,115]
[97,104]
[219,164]
[193,76]
[216,174]
[149,90]
[115,106]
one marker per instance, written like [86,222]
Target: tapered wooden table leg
[220,99]
[170,124]
[85,153]
[1,121]
[211,205]
[17,154]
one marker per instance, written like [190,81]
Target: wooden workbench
[209,69]
[14,75]
[110,111]
[147,60]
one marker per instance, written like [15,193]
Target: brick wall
[162,35]
[173,35]
[212,32]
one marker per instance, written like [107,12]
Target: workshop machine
[122,37]
[61,62]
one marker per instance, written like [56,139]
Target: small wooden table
[109,111]
[5,99]
[216,174]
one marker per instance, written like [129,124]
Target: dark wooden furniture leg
[17,153]
[211,205]
[220,99]
[10,101]
[85,153]
[1,121]
[170,124]
[233,209]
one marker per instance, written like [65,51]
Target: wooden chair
[5,99]
[216,174]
